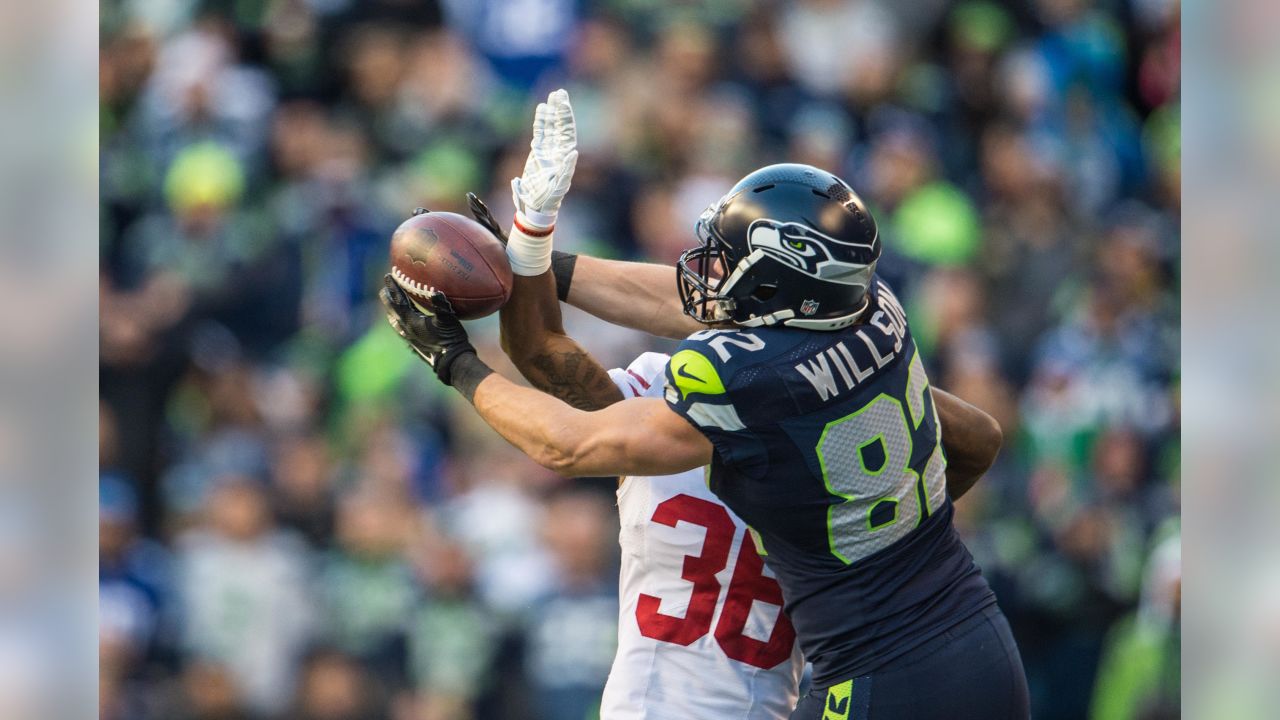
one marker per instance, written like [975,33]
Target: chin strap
[835,323]
[788,318]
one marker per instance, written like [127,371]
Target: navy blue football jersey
[828,445]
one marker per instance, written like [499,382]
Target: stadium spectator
[452,639]
[573,631]
[366,584]
[244,593]
[335,686]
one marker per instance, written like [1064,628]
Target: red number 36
[749,583]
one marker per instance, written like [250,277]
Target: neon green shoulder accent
[694,373]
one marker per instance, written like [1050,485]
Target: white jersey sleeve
[639,378]
[701,633]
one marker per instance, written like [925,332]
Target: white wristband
[528,254]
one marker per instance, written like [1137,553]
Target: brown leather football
[455,255]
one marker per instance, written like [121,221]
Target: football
[455,255]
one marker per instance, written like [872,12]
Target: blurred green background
[296,521]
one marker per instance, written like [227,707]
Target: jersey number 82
[885,464]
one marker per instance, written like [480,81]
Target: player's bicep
[668,440]
[641,436]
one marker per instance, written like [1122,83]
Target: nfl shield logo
[808,307]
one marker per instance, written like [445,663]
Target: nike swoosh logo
[683,372]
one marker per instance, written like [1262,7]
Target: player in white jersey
[702,632]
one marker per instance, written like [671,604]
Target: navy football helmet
[788,245]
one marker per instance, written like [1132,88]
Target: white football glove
[538,193]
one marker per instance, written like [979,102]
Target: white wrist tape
[529,246]
[531,218]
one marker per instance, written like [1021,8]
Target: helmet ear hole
[764,292]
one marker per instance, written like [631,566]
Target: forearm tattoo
[574,377]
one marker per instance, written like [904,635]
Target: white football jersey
[701,632]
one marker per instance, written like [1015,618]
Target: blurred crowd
[297,521]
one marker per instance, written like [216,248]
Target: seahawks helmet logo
[811,252]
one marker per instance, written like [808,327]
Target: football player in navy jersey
[808,399]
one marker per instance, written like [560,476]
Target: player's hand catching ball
[438,336]
[548,172]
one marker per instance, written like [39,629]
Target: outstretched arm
[971,439]
[532,332]
[633,295]
[641,296]
[640,436]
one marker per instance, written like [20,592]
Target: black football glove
[438,337]
[482,215]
